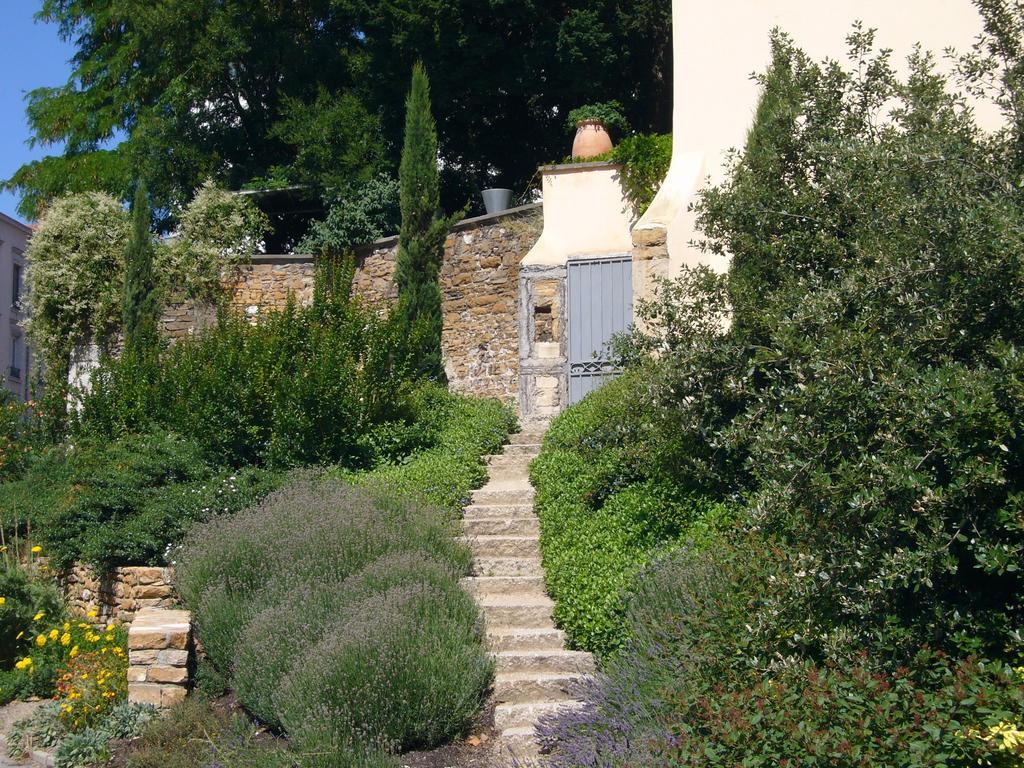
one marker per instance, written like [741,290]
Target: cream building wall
[15,357]
[718,45]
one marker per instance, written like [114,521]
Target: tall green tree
[310,92]
[421,240]
[141,307]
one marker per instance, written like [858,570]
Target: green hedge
[123,502]
[605,511]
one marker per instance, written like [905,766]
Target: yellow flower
[65,639]
[24,663]
[36,549]
[54,634]
[66,626]
[20,635]
[93,613]
[3,600]
[38,616]
[74,652]
[41,641]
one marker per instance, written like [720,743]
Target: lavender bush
[336,613]
[399,670]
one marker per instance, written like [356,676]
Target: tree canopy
[311,92]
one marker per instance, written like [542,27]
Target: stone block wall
[480,293]
[159,657]
[120,594]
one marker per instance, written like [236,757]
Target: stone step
[516,688]
[518,614]
[511,483]
[500,585]
[507,566]
[501,526]
[507,460]
[527,437]
[519,747]
[507,716]
[524,638]
[522,449]
[545,662]
[478,511]
[503,495]
[503,546]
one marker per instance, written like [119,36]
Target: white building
[17,365]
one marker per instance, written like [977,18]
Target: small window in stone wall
[543,323]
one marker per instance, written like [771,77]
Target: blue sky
[34,56]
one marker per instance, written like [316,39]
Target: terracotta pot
[592,140]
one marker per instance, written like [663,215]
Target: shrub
[301,386]
[697,685]
[404,666]
[610,113]
[57,657]
[606,509]
[20,436]
[124,502]
[197,733]
[645,159]
[459,431]
[270,589]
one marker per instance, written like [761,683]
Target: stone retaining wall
[159,657]
[480,291]
[120,594]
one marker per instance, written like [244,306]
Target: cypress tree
[140,300]
[422,234]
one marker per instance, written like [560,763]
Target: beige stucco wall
[585,214]
[717,46]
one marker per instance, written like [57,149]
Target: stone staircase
[535,674]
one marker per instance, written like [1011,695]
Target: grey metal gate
[600,305]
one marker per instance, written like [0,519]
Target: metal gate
[600,306]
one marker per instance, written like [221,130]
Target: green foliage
[696,686]
[359,213]
[423,232]
[606,509]
[338,614]
[74,280]
[197,731]
[124,502]
[218,231]
[139,322]
[81,749]
[645,159]
[455,432]
[294,92]
[21,436]
[300,386]
[608,113]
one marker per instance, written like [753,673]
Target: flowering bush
[26,599]
[83,666]
[93,679]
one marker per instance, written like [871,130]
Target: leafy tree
[218,231]
[311,92]
[421,240]
[141,307]
[359,214]
[75,280]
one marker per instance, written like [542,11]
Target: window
[17,351]
[16,286]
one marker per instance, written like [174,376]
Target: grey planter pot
[497,200]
